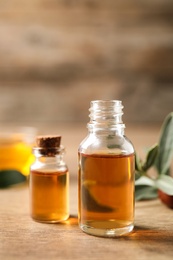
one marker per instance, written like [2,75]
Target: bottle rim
[107,101]
[106,114]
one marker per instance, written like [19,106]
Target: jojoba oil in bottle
[106,174]
[49,182]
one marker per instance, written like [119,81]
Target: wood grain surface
[23,238]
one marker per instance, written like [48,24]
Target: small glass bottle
[49,181]
[106,173]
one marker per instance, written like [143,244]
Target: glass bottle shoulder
[43,164]
[106,144]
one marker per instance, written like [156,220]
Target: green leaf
[138,163]
[145,189]
[168,172]
[137,175]
[10,177]
[144,192]
[151,157]
[165,152]
[144,180]
[165,184]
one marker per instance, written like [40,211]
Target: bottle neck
[49,154]
[49,160]
[106,117]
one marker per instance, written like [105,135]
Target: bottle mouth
[106,104]
[106,114]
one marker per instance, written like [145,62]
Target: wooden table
[23,238]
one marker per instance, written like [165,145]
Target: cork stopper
[48,141]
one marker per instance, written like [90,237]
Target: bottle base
[50,221]
[113,232]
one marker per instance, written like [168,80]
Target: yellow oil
[15,155]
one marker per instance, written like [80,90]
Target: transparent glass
[49,186]
[106,173]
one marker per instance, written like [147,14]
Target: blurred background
[58,55]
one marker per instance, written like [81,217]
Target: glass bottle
[106,173]
[49,181]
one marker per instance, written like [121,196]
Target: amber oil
[50,196]
[106,192]
[49,184]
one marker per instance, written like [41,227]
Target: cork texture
[48,141]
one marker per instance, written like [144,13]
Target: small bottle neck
[48,160]
[106,117]
[55,152]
